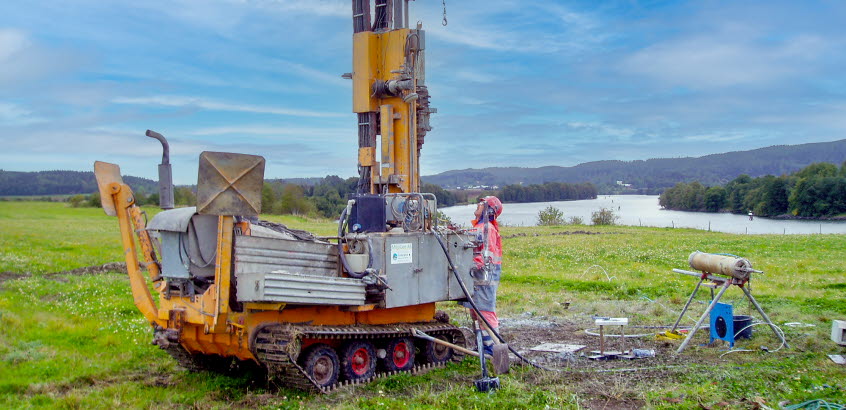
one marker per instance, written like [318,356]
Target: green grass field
[77,341]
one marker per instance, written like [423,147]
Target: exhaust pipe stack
[165,174]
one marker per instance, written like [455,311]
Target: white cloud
[475,75]
[22,60]
[725,59]
[334,8]
[11,42]
[13,114]
[308,72]
[718,137]
[522,27]
[277,133]
[602,129]
[213,105]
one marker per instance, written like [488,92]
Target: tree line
[550,191]
[816,191]
[654,175]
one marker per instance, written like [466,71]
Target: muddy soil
[523,334]
[111,267]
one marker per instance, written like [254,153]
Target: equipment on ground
[722,324]
[838,332]
[738,271]
[602,354]
[233,289]
[486,384]
[500,358]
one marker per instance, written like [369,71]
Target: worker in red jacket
[487,262]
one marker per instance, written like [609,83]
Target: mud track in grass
[111,267]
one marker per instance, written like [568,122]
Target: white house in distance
[620,183]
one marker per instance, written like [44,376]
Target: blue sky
[516,83]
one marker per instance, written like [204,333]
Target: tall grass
[78,342]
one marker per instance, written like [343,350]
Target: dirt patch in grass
[95,269]
[111,267]
[4,276]
[523,334]
[90,382]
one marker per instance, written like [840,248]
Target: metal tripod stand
[726,283]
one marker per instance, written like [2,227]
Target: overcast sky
[516,83]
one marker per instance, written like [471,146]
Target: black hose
[476,308]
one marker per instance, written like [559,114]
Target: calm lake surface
[644,210]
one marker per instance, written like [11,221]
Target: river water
[644,210]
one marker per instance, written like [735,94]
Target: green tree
[293,201]
[693,198]
[737,190]
[444,197]
[774,197]
[268,197]
[818,169]
[94,200]
[715,199]
[184,196]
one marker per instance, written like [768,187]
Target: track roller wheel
[437,353]
[358,360]
[321,364]
[400,355]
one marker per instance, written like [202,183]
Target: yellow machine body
[205,323]
[391,101]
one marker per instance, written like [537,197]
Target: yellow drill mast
[389,95]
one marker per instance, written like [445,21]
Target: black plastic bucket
[742,322]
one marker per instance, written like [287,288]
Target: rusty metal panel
[107,173]
[266,255]
[229,184]
[301,289]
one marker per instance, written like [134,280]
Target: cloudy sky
[516,83]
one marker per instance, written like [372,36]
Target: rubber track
[184,359]
[271,349]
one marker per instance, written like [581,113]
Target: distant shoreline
[785,217]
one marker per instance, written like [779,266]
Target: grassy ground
[77,340]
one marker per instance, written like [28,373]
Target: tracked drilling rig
[316,313]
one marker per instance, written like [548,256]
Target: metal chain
[444,22]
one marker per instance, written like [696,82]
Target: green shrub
[550,216]
[76,201]
[604,216]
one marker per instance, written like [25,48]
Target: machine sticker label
[401,253]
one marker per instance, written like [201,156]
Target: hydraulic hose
[476,308]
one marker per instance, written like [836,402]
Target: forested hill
[654,175]
[62,183]
[83,182]
[650,176]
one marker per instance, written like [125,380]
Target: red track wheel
[400,355]
[358,360]
[321,364]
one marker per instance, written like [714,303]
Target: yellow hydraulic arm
[118,200]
